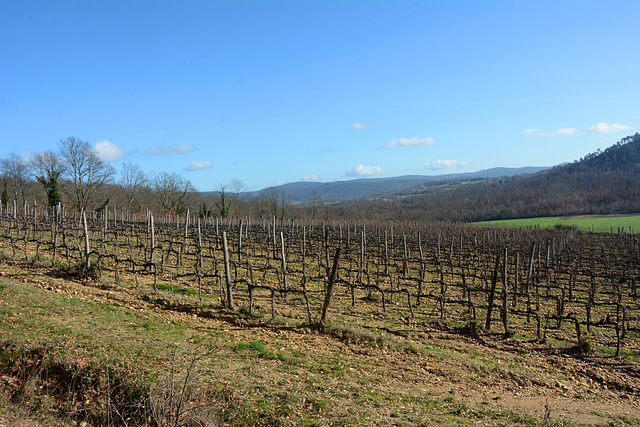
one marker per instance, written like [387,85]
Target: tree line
[74,175]
[606,182]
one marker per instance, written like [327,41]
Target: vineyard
[526,283]
[423,305]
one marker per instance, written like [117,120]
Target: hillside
[605,182]
[303,192]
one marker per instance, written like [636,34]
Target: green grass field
[587,223]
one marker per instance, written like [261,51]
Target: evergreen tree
[51,184]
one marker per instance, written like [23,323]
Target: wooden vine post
[240,243]
[86,238]
[492,292]
[55,235]
[304,259]
[505,297]
[332,278]
[153,239]
[227,271]
[200,264]
[284,261]
[529,278]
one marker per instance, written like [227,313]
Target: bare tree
[15,173]
[173,192]
[275,202]
[259,205]
[285,204]
[271,201]
[316,203]
[47,167]
[238,187]
[133,182]
[86,172]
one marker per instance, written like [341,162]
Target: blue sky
[270,92]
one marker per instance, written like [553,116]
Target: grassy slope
[255,372]
[257,376]
[590,223]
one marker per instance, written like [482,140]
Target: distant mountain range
[304,192]
[604,182]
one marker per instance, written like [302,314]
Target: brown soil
[483,371]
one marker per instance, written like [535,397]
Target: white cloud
[108,151]
[559,132]
[281,182]
[445,164]
[26,156]
[562,132]
[362,170]
[310,178]
[197,165]
[607,128]
[409,142]
[565,131]
[154,150]
[362,126]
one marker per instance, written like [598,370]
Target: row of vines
[517,282]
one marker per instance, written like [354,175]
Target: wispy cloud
[26,156]
[108,151]
[562,132]
[362,170]
[362,126]
[445,164]
[197,165]
[154,150]
[607,128]
[559,132]
[409,142]
[310,178]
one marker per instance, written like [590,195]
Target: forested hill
[304,192]
[623,155]
[606,182]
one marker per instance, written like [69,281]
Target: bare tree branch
[133,182]
[15,172]
[85,171]
[173,192]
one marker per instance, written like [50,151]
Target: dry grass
[365,367]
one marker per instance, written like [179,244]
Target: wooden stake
[327,299]
[492,293]
[227,271]
[86,238]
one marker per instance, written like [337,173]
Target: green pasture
[587,223]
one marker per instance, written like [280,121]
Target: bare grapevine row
[512,281]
